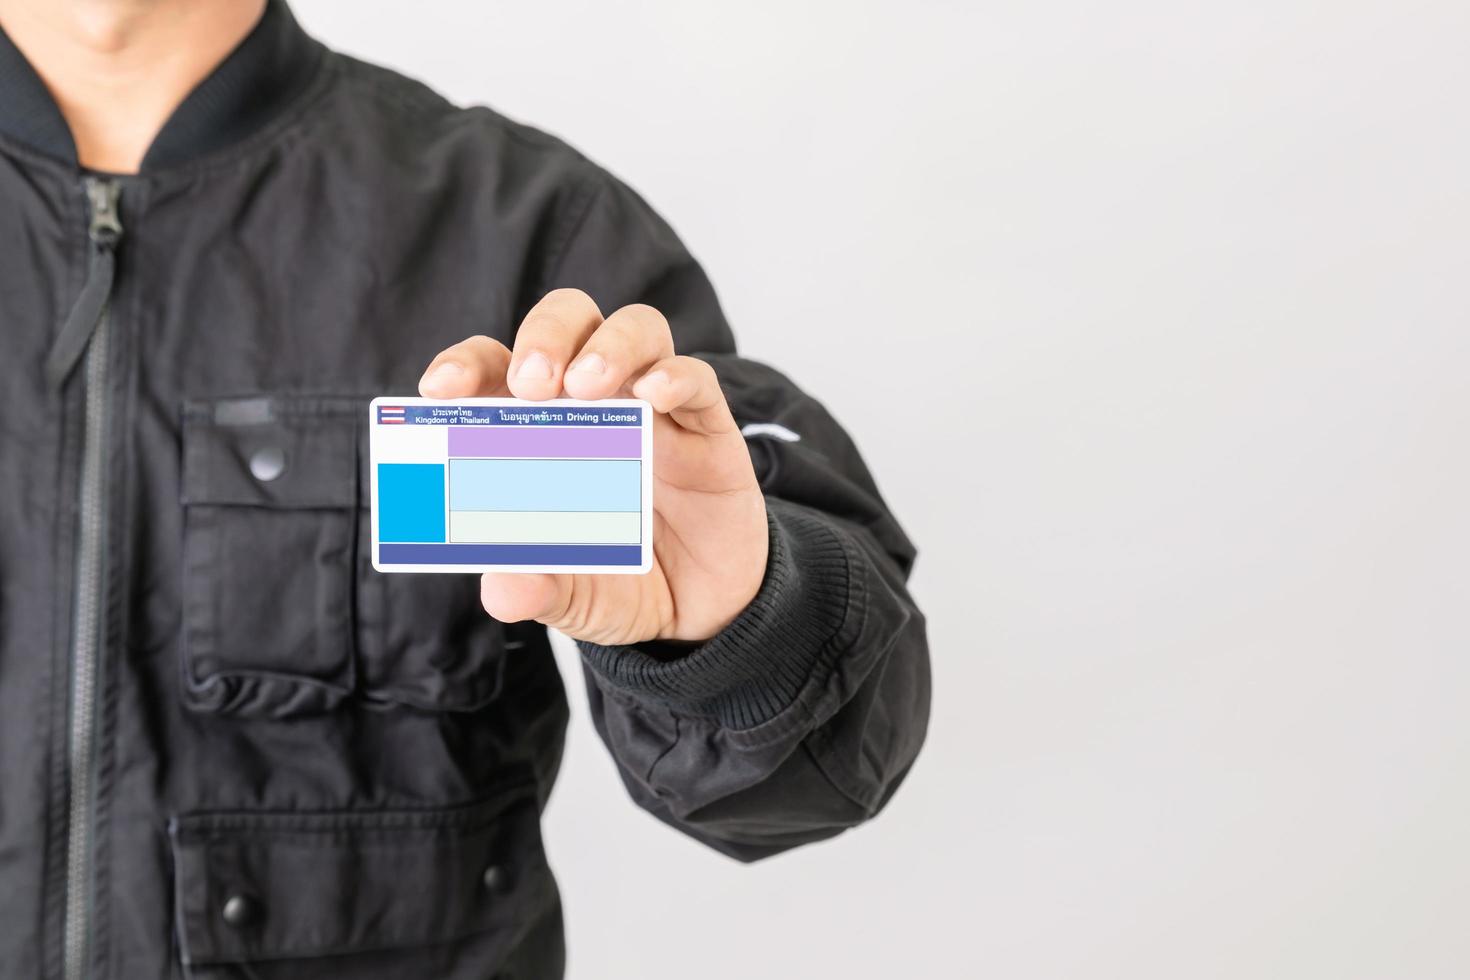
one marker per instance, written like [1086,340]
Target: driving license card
[504,485]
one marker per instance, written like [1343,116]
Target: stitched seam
[289,126]
[673,742]
[576,220]
[380,87]
[817,746]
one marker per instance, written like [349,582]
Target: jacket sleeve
[802,717]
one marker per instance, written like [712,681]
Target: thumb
[513,597]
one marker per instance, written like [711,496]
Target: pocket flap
[272,452]
[268,886]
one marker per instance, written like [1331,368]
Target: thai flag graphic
[390,415]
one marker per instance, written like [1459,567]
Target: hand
[709,515]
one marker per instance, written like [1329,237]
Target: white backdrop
[1181,293]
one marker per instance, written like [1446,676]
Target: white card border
[646,518]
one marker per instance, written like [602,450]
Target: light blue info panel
[545,485]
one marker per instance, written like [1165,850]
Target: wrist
[799,620]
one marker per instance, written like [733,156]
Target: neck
[119,68]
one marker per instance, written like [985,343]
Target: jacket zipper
[86,329]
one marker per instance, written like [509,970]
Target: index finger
[551,333]
[473,367]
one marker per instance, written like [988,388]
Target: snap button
[238,910]
[494,878]
[268,463]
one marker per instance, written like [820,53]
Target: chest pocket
[283,613]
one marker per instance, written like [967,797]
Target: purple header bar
[535,442]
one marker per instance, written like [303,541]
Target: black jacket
[228,747]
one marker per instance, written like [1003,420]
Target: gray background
[1152,319]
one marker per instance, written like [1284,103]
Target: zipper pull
[106,226]
[104,230]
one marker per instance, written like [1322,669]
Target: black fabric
[806,611]
[28,114]
[271,67]
[312,885]
[305,768]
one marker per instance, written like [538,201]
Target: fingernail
[656,378]
[590,364]
[444,374]
[534,367]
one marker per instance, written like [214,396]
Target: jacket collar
[269,68]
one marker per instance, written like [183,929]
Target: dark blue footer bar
[509,554]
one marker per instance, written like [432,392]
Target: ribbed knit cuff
[758,666]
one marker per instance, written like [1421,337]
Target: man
[228,746]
